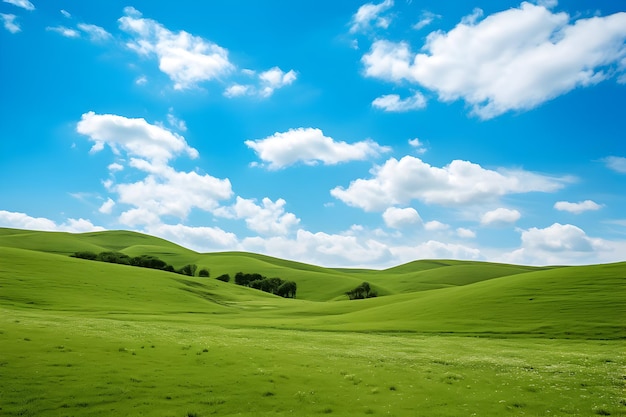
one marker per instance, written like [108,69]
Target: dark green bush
[224,278]
[85,255]
[204,273]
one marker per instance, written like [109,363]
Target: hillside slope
[438,296]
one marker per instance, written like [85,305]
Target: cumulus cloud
[135,136]
[460,182]
[23,221]
[512,60]
[398,218]
[371,14]
[198,238]
[185,58]
[275,78]
[577,208]
[64,31]
[616,163]
[24,4]
[167,192]
[433,249]
[9,22]
[500,216]
[163,191]
[393,102]
[563,244]
[322,248]
[310,146]
[269,218]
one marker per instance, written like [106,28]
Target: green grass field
[444,338]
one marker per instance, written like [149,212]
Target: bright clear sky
[331,132]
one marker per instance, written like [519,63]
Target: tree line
[142,261]
[274,286]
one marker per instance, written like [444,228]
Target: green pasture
[444,338]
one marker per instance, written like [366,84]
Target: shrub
[204,273]
[224,278]
[114,258]
[85,255]
[188,270]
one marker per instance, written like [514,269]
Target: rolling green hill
[444,337]
[424,296]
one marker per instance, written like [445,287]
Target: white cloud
[114,167]
[460,182]
[107,206]
[9,23]
[66,13]
[425,19]
[500,216]
[175,122]
[511,60]
[369,14]
[185,58]
[563,244]
[135,136]
[64,31]
[24,4]
[418,145]
[310,146]
[237,90]
[141,80]
[201,239]
[435,225]
[275,78]
[96,33]
[616,163]
[465,233]
[393,102]
[577,208]
[398,218]
[268,82]
[23,221]
[269,218]
[433,249]
[167,192]
[322,248]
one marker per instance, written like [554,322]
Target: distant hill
[434,296]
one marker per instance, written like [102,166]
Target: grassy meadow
[444,338]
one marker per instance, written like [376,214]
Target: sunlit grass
[81,337]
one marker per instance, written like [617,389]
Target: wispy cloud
[393,102]
[371,14]
[24,4]
[10,23]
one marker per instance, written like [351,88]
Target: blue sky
[335,133]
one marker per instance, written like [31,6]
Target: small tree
[188,270]
[224,278]
[204,273]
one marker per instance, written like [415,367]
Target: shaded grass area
[62,364]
